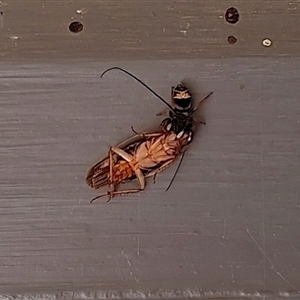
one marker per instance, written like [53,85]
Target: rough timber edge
[156,294]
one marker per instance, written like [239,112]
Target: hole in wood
[232,15]
[76,27]
[267,42]
[232,39]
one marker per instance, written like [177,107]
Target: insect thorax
[177,123]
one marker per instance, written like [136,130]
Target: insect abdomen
[122,171]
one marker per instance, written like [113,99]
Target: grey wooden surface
[230,220]
[228,226]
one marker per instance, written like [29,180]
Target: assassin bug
[147,154]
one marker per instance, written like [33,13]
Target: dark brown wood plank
[133,30]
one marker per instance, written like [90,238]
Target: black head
[181,98]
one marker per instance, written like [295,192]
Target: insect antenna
[200,102]
[141,82]
[178,166]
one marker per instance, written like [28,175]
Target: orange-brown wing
[98,175]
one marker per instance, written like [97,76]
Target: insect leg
[97,197]
[160,169]
[122,153]
[111,186]
[146,134]
[163,113]
[164,166]
[138,173]
[137,137]
[198,120]
[142,184]
[141,179]
[121,192]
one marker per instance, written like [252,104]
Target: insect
[147,154]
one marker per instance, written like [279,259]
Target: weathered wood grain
[133,30]
[230,221]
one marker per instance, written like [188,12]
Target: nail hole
[232,15]
[76,27]
[266,42]
[232,39]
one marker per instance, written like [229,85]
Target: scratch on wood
[295,249]
[231,268]
[262,184]
[224,229]
[127,258]
[269,260]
